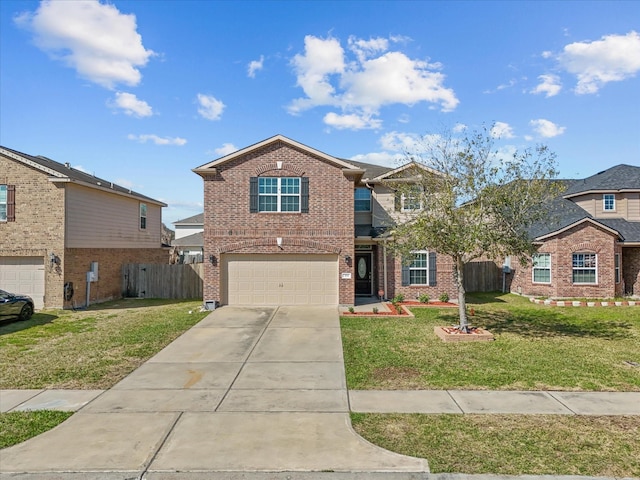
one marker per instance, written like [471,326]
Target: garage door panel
[280,279]
[24,275]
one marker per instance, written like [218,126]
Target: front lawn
[537,347]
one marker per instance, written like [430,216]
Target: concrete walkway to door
[247,389]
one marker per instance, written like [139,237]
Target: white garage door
[280,279]
[24,275]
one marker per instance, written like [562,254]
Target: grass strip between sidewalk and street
[511,444]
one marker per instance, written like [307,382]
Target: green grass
[537,347]
[16,427]
[511,444]
[88,349]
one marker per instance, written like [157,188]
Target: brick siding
[231,228]
[583,238]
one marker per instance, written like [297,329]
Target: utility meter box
[94,271]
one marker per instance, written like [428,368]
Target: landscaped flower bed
[452,334]
[582,303]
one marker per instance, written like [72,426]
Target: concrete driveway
[247,389]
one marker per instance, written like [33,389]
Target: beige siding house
[58,223]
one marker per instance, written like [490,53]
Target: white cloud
[322,58]
[210,107]
[351,121]
[386,159]
[459,128]
[502,130]
[157,140]
[367,48]
[254,66]
[361,85]
[225,149]
[546,128]
[400,142]
[130,104]
[123,182]
[95,39]
[549,84]
[613,58]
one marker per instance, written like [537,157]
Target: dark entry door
[363,274]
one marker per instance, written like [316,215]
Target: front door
[363,274]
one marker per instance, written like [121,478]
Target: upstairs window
[143,216]
[609,202]
[362,200]
[7,203]
[542,268]
[409,200]
[279,194]
[585,268]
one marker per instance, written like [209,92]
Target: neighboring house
[590,247]
[58,223]
[189,239]
[287,224]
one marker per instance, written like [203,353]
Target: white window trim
[403,197]
[534,268]
[362,199]
[279,195]
[604,202]
[573,269]
[425,268]
[143,206]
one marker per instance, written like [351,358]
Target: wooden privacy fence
[180,281]
[482,277]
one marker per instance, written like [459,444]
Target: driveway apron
[247,389]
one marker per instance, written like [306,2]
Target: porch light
[213,260]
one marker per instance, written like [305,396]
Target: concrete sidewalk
[387,401]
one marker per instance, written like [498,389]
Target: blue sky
[141,92]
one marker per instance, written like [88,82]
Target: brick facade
[39,231]
[631,270]
[583,238]
[231,228]
[77,261]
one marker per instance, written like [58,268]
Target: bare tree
[475,203]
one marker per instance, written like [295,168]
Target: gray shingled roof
[65,170]
[563,213]
[620,177]
[194,220]
[194,240]
[371,171]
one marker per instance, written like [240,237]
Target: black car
[15,306]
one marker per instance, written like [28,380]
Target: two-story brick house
[287,224]
[590,247]
[58,223]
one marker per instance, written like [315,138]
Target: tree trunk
[458,265]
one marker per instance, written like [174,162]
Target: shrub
[351,310]
[444,297]
[423,298]
[398,298]
[375,310]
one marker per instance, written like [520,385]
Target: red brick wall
[231,228]
[584,238]
[631,270]
[77,262]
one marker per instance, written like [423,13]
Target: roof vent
[68,165]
